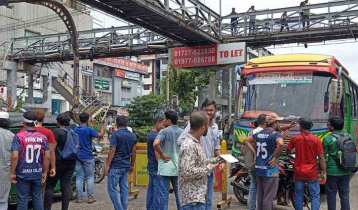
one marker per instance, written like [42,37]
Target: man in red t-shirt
[307,147]
[51,139]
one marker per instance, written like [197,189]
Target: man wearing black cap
[307,147]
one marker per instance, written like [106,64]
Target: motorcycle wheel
[99,171]
[239,194]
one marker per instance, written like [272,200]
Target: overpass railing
[321,16]
[92,44]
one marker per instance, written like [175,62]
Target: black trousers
[64,173]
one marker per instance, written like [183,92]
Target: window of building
[104,72]
[146,87]
[147,76]
[146,63]
[29,34]
[164,73]
[165,61]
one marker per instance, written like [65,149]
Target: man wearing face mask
[194,167]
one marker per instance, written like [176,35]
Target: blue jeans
[194,206]
[251,202]
[25,188]
[314,190]
[153,191]
[209,194]
[118,176]
[85,169]
[340,184]
[251,26]
[233,28]
[164,186]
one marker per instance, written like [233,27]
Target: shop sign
[101,84]
[123,64]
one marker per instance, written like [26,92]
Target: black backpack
[347,152]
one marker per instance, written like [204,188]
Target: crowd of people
[284,20]
[265,145]
[37,158]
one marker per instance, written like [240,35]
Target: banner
[120,73]
[209,55]
[123,64]
[142,174]
[280,78]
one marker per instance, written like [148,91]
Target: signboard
[209,55]
[133,76]
[101,84]
[87,70]
[120,73]
[123,64]
[142,174]
[280,78]
[218,180]
[126,84]
[147,57]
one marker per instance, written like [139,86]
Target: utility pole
[67,19]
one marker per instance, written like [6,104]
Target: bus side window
[353,100]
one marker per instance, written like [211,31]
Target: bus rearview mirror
[336,91]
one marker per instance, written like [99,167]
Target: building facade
[118,81]
[25,20]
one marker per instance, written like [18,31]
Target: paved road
[104,203]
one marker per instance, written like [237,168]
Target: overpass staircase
[93,105]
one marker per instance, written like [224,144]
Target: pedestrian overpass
[163,24]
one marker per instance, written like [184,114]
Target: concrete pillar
[11,83]
[30,93]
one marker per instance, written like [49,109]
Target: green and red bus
[294,86]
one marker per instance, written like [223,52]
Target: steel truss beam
[96,43]
[181,24]
[67,19]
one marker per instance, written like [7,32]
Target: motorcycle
[100,167]
[286,188]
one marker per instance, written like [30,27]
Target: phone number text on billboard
[196,60]
[190,52]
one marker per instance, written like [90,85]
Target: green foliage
[142,133]
[142,112]
[186,84]
[97,123]
[20,102]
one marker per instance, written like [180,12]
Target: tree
[142,112]
[186,84]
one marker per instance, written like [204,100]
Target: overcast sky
[345,53]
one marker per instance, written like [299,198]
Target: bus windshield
[290,99]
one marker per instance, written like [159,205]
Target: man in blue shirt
[120,162]
[85,162]
[152,192]
[269,146]
[168,165]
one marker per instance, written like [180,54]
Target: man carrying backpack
[66,155]
[340,153]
